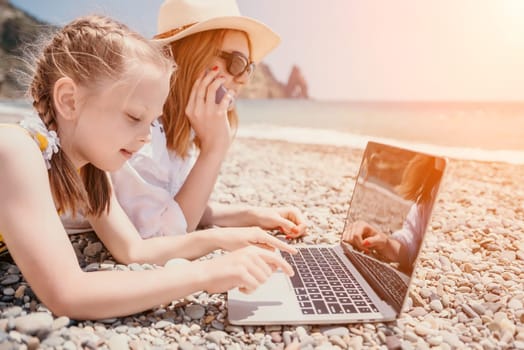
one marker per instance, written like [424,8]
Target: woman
[165,189]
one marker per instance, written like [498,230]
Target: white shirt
[412,230]
[146,186]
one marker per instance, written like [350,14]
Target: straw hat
[180,18]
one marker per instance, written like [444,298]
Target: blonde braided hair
[87,50]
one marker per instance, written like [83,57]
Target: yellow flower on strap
[42,141]
[47,141]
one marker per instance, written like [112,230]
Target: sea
[484,131]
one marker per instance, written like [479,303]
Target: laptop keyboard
[390,283]
[323,284]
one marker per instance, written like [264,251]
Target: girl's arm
[42,251]
[121,238]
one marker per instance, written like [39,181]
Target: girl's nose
[145,136]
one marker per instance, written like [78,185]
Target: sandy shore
[468,291]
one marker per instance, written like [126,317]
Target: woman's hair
[418,179]
[89,50]
[193,55]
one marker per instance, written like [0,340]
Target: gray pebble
[216,337]
[10,279]
[393,343]
[339,331]
[53,341]
[8,291]
[36,323]
[119,342]
[186,346]
[195,311]
[217,325]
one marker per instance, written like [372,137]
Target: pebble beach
[468,289]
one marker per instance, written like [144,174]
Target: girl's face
[114,122]
[234,41]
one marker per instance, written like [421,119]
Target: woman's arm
[123,241]
[211,125]
[42,251]
[288,220]
[194,194]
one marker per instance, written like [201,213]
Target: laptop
[355,281]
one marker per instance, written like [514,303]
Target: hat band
[173,32]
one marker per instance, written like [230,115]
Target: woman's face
[234,41]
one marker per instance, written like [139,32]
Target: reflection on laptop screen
[389,212]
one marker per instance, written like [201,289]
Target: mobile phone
[221,92]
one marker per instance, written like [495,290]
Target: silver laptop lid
[389,213]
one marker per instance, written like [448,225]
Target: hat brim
[263,39]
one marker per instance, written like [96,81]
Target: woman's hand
[287,220]
[364,237]
[209,119]
[239,237]
[246,268]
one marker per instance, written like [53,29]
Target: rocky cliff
[18,28]
[263,84]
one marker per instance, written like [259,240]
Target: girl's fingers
[276,260]
[259,269]
[245,290]
[276,243]
[248,283]
[263,246]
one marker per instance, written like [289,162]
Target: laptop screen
[391,205]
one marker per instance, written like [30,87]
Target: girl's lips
[126,153]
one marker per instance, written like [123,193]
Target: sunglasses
[237,64]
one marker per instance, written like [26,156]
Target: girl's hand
[287,220]
[246,268]
[239,237]
[207,118]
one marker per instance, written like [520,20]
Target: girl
[165,188]
[96,88]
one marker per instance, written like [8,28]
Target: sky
[368,49]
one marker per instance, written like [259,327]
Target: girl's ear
[65,97]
